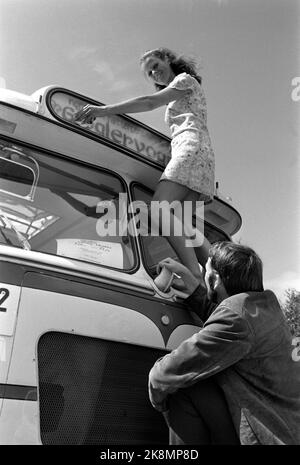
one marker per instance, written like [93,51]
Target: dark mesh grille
[93,391]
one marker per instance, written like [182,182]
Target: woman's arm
[134,105]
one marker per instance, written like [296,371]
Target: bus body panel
[53,307]
[19,422]
[75,316]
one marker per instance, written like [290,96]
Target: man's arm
[199,303]
[197,300]
[224,340]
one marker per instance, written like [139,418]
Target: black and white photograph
[149,226]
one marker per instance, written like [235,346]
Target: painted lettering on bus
[125,134]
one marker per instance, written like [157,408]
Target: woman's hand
[89,113]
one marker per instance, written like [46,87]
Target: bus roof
[130,135]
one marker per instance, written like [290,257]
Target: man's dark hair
[239,267]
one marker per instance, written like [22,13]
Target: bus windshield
[53,207]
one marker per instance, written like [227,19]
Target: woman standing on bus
[189,176]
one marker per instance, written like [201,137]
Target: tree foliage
[291,309]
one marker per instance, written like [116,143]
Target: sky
[248,52]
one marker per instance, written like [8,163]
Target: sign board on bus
[122,131]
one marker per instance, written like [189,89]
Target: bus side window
[157,248]
[154,248]
[63,218]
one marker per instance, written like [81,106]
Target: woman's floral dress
[192,163]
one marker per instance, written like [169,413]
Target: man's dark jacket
[246,344]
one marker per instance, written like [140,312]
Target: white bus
[81,321]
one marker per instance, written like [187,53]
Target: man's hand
[185,280]
[158,400]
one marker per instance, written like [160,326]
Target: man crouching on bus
[243,353]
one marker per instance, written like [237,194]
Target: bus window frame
[86,164]
[29,196]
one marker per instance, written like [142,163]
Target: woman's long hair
[178,63]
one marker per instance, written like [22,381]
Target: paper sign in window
[100,252]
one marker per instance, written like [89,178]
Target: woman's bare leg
[169,192]
[203,250]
